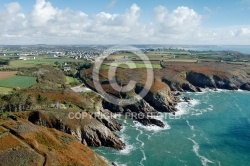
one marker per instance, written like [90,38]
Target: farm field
[41,60]
[181,60]
[7,74]
[18,81]
[4,90]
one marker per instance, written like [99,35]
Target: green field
[42,60]
[18,81]
[4,90]
[72,80]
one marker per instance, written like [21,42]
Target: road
[81,88]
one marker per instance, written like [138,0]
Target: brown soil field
[7,74]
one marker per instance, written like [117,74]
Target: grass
[18,81]
[41,60]
[72,80]
[4,90]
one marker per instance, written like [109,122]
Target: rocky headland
[24,143]
[172,78]
[43,132]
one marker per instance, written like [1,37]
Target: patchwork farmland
[7,74]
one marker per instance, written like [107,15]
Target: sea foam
[153,127]
[128,148]
[196,148]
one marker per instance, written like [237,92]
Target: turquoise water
[214,129]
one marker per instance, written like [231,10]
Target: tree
[57,63]
[3,104]
[40,99]
[30,102]
[22,102]
[13,102]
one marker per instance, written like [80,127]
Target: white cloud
[12,20]
[13,7]
[160,13]
[42,13]
[241,32]
[51,25]
[179,20]
[244,31]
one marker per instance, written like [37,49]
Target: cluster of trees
[21,69]
[48,74]
[31,71]
[16,102]
[4,62]
[86,65]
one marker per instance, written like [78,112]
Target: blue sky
[125,21]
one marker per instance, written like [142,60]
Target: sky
[188,22]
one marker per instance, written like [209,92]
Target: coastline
[197,148]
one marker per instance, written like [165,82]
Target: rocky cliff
[174,76]
[24,143]
[159,99]
[193,76]
[87,129]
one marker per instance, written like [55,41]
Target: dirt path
[81,88]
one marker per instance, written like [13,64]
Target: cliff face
[159,99]
[193,76]
[206,81]
[23,143]
[245,86]
[162,100]
[180,86]
[88,130]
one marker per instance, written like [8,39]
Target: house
[26,58]
[58,105]
[22,58]
[66,68]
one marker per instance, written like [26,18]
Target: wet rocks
[187,99]
[245,86]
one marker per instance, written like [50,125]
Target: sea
[212,129]
[240,48]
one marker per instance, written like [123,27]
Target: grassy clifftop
[22,142]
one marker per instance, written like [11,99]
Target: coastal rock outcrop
[245,86]
[24,143]
[193,76]
[182,86]
[87,129]
[106,118]
[163,100]
[200,80]
[139,111]
[174,76]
